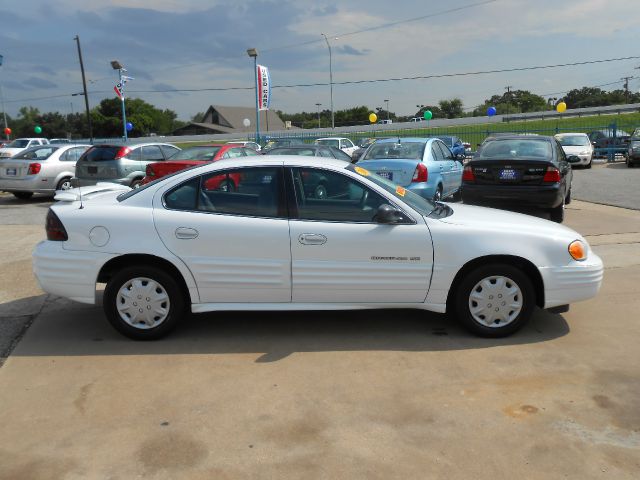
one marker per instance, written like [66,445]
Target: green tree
[451,108]
[146,118]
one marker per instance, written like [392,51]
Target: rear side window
[168,150]
[151,153]
[254,191]
[36,153]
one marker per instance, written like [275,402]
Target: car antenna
[80,192]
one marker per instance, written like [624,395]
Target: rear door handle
[185,233]
[312,239]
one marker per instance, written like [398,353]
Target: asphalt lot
[608,184]
[389,394]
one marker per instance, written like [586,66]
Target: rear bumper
[544,196]
[33,183]
[67,273]
[572,283]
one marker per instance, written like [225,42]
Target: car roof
[332,138]
[569,133]
[522,137]
[406,139]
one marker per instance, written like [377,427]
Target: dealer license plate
[508,174]
[11,172]
[387,175]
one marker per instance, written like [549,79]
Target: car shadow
[617,165]
[66,328]
[37,199]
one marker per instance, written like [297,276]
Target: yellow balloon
[561,107]
[373,118]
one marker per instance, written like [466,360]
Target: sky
[198,44]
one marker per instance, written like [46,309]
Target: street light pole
[333,123]
[318,105]
[387,102]
[116,65]
[253,53]
[84,86]
[4,113]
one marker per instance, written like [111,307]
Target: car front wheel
[495,300]
[143,302]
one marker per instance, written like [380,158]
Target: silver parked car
[123,164]
[40,169]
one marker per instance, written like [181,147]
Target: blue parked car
[425,166]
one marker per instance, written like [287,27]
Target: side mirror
[388,215]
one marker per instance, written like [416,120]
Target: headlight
[586,152]
[578,250]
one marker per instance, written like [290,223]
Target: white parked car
[41,169]
[20,144]
[271,244]
[342,143]
[577,145]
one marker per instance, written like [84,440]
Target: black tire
[437,196]
[557,214]
[567,199]
[588,165]
[512,276]
[137,183]
[176,302]
[629,162]
[23,195]
[457,196]
[64,184]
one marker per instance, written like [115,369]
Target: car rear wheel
[588,165]
[137,183]
[143,302]
[567,199]
[557,214]
[437,197]
[495,300]
[23,195]
[64,184]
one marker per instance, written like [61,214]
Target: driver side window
[324,195]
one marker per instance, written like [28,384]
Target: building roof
[223,119]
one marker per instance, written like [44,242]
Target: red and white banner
[118,90]
[264,88]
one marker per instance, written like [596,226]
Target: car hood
[502,222]
[575,149]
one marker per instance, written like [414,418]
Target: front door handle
[312,239]
[185,233]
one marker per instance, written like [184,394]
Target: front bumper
[67,273]
[544,196]
[572,283]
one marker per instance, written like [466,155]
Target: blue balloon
[491,111]
[129,126]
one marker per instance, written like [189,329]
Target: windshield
[574,140]
[422,205]
[37,153]
[196,153]
[19,143]
[408,150]
[329,142]
[516,148]
[309,152]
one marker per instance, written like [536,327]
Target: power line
[355,82]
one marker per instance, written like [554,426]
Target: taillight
[552,175]
[34,168]
[467,174]
[55,229]
[122,152]
[420,174]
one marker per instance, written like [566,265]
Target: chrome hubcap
[143,303]
[66,185]
[495,301]
[438,196]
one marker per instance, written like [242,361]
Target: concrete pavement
[395,394]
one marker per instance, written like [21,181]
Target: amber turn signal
[577,250]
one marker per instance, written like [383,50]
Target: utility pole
[84,86]
[333,123]
[318,105]
[387,102]
[4,112]
[626,88]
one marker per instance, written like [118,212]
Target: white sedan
[271,244]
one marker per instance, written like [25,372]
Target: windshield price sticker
[362,171]
[401,191]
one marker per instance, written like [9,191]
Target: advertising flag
[264,88]
[118,90]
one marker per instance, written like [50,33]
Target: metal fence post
[610,150]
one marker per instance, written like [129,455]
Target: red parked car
[192,156]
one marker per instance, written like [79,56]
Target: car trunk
[19,168]
[398,171]
[508,171]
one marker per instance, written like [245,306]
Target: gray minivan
[123,164]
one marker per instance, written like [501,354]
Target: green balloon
[38,129]
[428,115]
